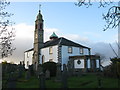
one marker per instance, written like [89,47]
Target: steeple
[39,16]
[38,37]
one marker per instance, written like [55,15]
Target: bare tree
[102,56]
[7,33]
[88,3]
[112,16]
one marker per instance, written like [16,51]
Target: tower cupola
[39,16]
[53,36]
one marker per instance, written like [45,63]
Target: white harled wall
[75,52]
[47,56]
[28,57]
[54,56]
[81,65]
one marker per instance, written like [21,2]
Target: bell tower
[38,38]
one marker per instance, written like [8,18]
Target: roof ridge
[74,42]
[29,50]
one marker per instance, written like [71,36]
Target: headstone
[0,76]
[31,70]
[20,70]
[79,72]
[70,70]
[119,31]
[39,70]
[35,66]
[11,83]
[23,65]
[3,69]
[99,80]
[58,72]
[47,74]
[42,80]
[64,77]
[27,75]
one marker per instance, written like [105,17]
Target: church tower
[38,38]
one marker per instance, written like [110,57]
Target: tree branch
[112,18]
[7,32]
[88,3]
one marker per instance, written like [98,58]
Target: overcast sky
[79,24]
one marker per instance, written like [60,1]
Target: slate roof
[29,50]
[60,41]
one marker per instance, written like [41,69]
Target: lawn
[85,81]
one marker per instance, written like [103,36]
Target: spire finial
[39,7]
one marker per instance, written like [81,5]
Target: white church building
[58,50]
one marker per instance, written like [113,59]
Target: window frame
[70,50]
[43,59]
[41,25]
[36,26]
[27,63]
[51,50]
[27,54]
[81,50]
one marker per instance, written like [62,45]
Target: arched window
[27,63]
[36,26]
[41,25]
[43,59]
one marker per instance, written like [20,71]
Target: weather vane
[39,7]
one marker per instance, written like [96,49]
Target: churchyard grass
[86,81]
[110,83]
[90,81]
[33,82]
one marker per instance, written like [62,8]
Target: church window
[81,50]
[50,50]
[50,60]
[36,26]
[27,63]
[41,26]
[69,49]
[43,59]
[27,55]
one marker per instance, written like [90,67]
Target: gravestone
[70,69]
[27,75]
[31,70]
[99,80]
[11,82]
[20,70]
[79,72]
[47,74]
[39,70]
[64,77]
[3,69]
[42,80]
[0,76]
[58,72]
[23,64]
[35,66]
